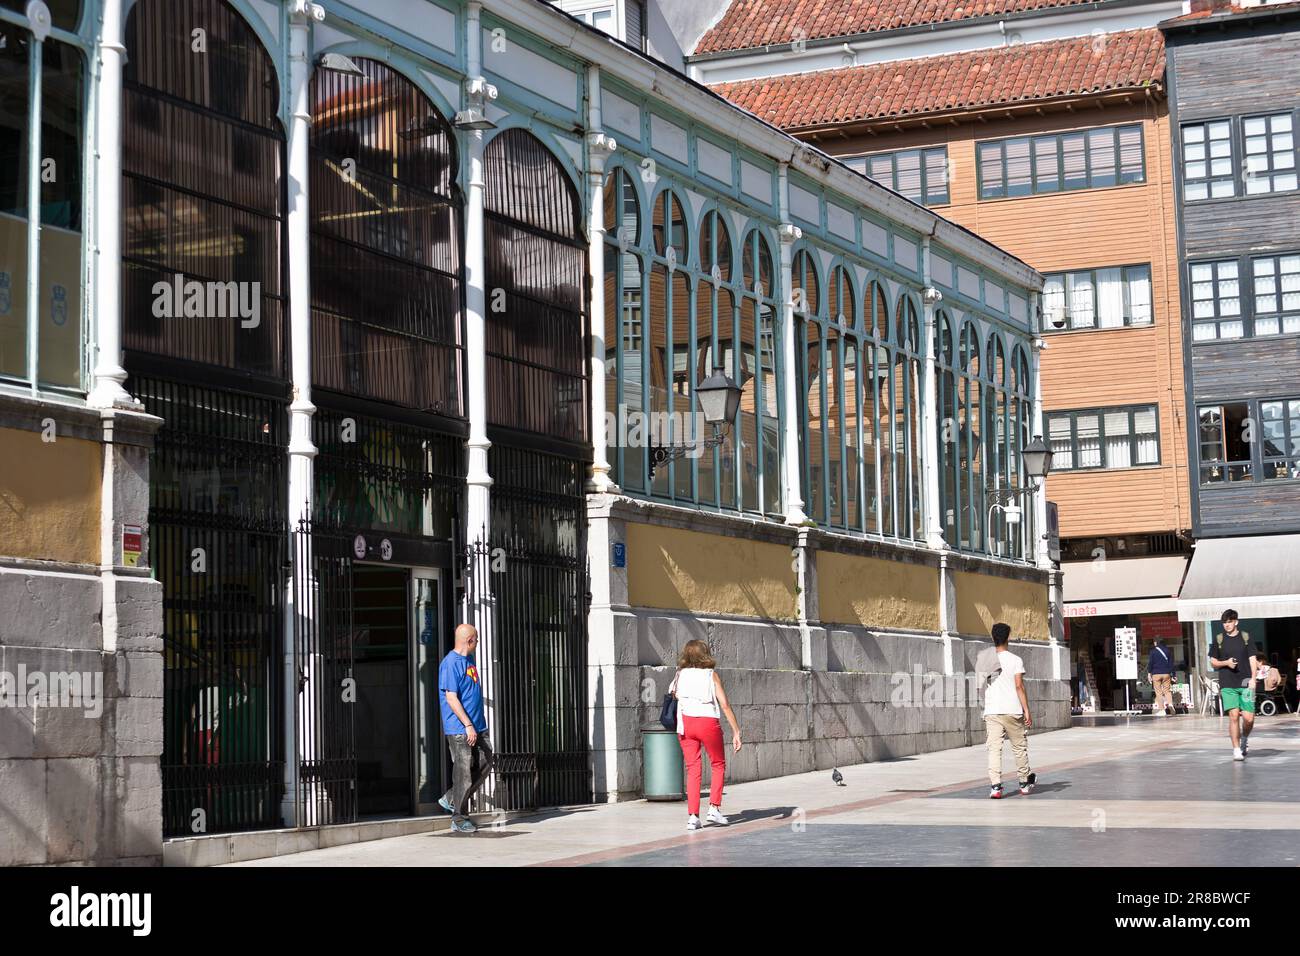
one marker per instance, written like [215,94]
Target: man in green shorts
[1230,656]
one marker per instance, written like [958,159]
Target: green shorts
[1238,698]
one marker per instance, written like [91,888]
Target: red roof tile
[755,23]
[1110,62]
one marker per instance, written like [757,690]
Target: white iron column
[789,234]
[599,148]
[933,432]
[1038,545]
[478,514]
[302,450]
[106,386]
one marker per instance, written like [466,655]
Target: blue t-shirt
[459,674]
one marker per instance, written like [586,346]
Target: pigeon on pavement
[837,776]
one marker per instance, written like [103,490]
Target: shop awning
[1122,585]
[1256,577]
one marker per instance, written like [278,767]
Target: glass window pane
[14,136]
[61,191]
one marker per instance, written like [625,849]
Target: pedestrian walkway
[1135,791]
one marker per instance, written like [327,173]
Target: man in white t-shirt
[1006,714]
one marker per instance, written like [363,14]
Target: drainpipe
[106,387]
[600,147]
[302,450]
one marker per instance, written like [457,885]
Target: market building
[1044,128]
[418,298]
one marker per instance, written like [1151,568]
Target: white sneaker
[692,822]
[716,817]
[1237,754]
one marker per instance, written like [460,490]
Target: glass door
[426,654]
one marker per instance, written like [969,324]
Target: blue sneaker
[465,825]
[442,802]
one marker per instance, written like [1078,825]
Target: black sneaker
[1027,786]
[995,792]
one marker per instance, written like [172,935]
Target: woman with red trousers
[701,702]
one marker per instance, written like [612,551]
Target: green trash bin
[663,776]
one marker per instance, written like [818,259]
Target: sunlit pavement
[1138,791]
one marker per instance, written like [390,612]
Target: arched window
[386,242]
[810,335]
[888,399]
[907,425]
[202,181]
[60,86]
[971,490]
[759,426]
[624,331]
[535,260]
[949,437]
[202,186]
[996,436]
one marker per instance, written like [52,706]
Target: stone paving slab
[890,845]
[899,801]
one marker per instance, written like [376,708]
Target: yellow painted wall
[49,497]
[709,574]
[853,589]
[983,600]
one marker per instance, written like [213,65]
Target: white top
[1001,697]
[695,695]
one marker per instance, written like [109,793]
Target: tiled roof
[1230,12]
[756,23]
[1111,62]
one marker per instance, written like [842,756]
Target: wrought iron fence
[535,559]
[217,534]
[326,773]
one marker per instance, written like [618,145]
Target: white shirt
[695,695]
[1001,697]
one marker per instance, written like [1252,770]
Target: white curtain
[1117,440]
[1088,430]
[1054,301]
[1110,298]
[1144,430]
[1082,309]
[1139,296]
[1058,431]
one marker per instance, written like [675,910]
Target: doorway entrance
[399,637]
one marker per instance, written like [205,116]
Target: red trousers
[706,731]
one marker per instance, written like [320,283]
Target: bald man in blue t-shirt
[465,726]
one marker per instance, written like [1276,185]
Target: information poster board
[1126,653]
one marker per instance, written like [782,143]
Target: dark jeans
[470,767]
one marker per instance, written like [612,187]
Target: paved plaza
[1111,792]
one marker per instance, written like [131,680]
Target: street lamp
[1037,457]
[719,399]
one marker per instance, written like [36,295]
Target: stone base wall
[870,696]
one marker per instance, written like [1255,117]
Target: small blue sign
[620,555]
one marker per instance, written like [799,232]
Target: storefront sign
[1081,610]
[1166,626]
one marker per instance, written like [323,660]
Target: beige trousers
[1161,684]
[1013,728]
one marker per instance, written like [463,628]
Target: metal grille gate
[218,546]
[537,562]
[324,729]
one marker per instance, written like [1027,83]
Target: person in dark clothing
[1230,655]
[1160,668]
